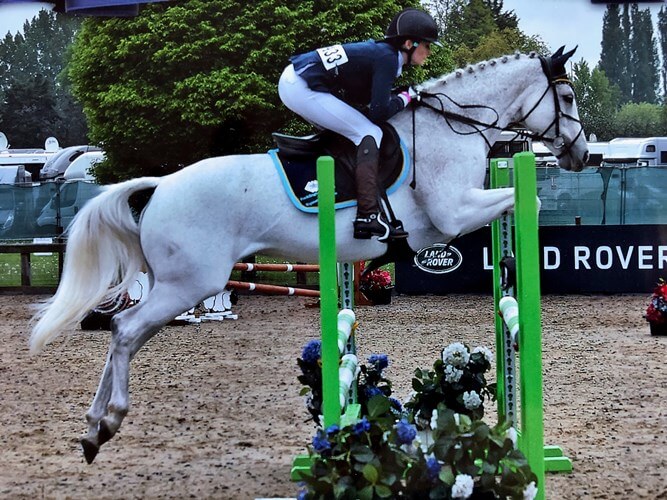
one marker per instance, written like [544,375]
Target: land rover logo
[438,259]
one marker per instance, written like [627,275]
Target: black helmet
[413,24]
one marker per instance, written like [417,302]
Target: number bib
[332,56]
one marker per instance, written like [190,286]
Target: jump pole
[528,339]
[331,273]
[331,409]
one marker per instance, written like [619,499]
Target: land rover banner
[574,259]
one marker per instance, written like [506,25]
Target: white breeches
[325,110]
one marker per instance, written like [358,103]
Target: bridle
[437,101]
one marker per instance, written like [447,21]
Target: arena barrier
[339,360]
[274,289]
[517,299]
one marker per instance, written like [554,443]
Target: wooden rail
[25,250]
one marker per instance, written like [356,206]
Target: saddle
[295,159]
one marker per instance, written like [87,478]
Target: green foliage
[615,55]
[597,100]
[36,100]
[498,43]
[477,30]
[468,22]
[629,54]
[640,120]
[662,41]
[644,57]
[198,78]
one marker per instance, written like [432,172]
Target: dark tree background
[35,95]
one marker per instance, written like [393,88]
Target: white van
[71,197]
[56,165]
[81,167]
[637,152]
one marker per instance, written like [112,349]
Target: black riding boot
[370,220]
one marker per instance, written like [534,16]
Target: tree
[597,100]
[198,78]
[643,56]
[478,30]
[36,102]
[498,43]
[614,58]
[468,22]
[640,120]
[662,34]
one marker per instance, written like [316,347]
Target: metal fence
[607,195]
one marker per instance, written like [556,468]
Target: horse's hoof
[104,433]
[90,450]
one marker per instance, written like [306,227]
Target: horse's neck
[501,84]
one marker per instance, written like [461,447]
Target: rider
[324,85]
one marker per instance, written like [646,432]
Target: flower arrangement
[656,312]
[376,285]
[375,280]
[384,454]
[457,379]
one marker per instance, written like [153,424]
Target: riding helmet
[413,24]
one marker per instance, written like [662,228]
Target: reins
[425,100]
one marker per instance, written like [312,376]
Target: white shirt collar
[400,64]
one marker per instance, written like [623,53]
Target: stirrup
[375,225]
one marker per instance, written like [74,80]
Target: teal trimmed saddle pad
[295,159]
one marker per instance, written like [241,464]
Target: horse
[450,131]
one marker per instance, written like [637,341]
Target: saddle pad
[299,179]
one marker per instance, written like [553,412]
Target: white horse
[249,213]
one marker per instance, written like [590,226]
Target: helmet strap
[410,51]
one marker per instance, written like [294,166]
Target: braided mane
[472,69]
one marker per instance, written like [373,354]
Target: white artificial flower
[512,434]
[452,375]
[530,492]
[488,355]
[456,354]
[463,486]
[424,440]
[471,400]
[434,420]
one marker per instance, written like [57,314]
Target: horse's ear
[567,55]
[558,53]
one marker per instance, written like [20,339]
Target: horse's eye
[569,98]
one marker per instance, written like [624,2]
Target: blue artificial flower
[302,495]
[372,390]
[312,351]
[405,432]
[379,361]
[321,443]
[362,425]
[396,404]
[332,429]
[433,468]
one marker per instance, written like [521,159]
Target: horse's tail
[102,259]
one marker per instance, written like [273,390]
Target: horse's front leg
[475,208]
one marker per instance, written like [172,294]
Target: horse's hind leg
[98,409]
[131,329]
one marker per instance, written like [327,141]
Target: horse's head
[551,113]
